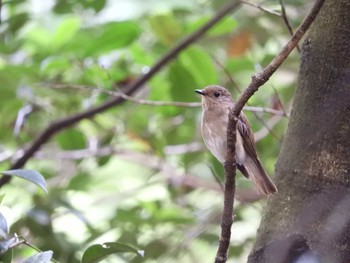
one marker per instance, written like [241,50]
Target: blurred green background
[138,174]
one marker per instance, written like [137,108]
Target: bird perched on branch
[216,105]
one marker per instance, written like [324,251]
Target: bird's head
[214,95]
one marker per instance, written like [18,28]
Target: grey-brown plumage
[216,104]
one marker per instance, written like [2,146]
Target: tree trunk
[309,219]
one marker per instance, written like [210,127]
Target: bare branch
[183,148]
[280,104]
[64,123]
[286,22]
[119,94]
[263,132]
[155,103]
[267,127]
[228,75]
[260,7]
[266,110]
[230,165]
[169,172]
[283,15]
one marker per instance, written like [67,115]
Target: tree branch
[260,7]
[156,103]
[286,21]
[230,165]
[61,124]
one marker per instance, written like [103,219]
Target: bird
[216,105]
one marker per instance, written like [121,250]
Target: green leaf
[71,139]
[96,5]
[182,82]
[198,62]
[80,182]
[53,66]
[66,31]
[30,175]
[11,77]
[38,40]
[96,253]
[103,39]
[16,22]
[226,26]
[7,257]
[13,2]
[240,64]
[63,6]
[165,27]
[43,257]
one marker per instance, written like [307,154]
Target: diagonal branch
[260,7]
[62,124]
[230,168]
[286,21]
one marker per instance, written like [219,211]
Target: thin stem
[260,7]
[286,21]
[155,103]
[37,249]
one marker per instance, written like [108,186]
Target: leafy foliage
[43,257]
[97,252]
[30,175]
[136,174]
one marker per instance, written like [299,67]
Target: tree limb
[156,103]
[230,168]
[64,123]
[260,7]
[286,21]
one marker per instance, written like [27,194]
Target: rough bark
[310,216]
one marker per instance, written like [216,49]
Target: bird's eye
[217,94]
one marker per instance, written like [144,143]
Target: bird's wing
[247,135]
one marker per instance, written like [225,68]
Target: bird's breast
[214,132]
[214,126]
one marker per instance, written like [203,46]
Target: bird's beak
[200,91]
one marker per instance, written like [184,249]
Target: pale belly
[215,136]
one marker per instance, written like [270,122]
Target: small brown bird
[216,104]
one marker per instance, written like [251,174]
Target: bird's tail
[257,174]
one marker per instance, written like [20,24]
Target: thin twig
[286,21]
[266,110]
[263,132]
[124,96]
[228,75]
[151,161]
[64,123]
[260,7]
[279,100]
[155,103]
[37,249]
[230,168]
[274,135]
